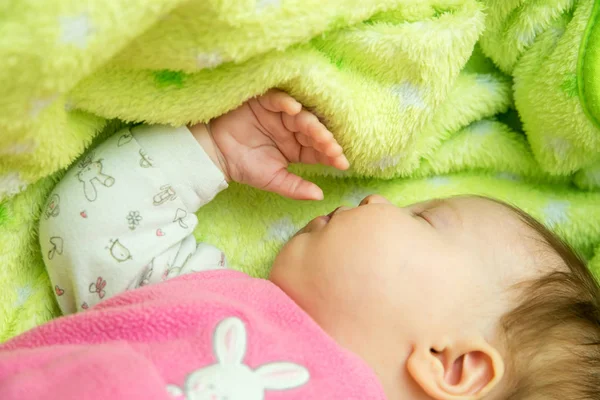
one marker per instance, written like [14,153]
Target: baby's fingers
[277,101]
[309,155]
[294,187]
[330,148]
[308,124]
[308,128]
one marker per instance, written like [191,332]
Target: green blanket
[552,49]
[418,108]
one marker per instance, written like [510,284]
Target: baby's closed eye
[425,216]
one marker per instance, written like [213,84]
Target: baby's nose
[374,199]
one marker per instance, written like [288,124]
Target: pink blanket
[213,335]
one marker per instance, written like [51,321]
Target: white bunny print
[90,174]
[229,378]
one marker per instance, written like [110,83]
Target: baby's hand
[256,142]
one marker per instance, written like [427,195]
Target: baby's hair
[553,335]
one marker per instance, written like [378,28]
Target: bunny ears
[230,377]
[230,341]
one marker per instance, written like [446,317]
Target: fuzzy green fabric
[551,48]
[594,263]
[418,108]
[382,78]
[589,67]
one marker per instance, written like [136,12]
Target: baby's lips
[331,214]
[319,222]
[315,224]
[338,210]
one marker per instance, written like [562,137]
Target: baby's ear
[463,370]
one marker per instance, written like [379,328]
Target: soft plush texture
[403,85]
[216,334]
[551,48]
[176,62]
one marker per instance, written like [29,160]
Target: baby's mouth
[331,214]
[328,217]
[318,223]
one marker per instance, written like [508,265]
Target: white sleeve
[124,215]
[180,157]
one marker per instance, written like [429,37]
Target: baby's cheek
[288,258]
[345,282]
[287,270]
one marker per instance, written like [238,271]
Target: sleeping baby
[459,298]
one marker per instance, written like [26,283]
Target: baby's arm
[123,216]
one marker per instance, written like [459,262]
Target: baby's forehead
[485,209]
[478,212]
[515,232]
[493,223]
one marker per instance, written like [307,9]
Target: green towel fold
[552,49]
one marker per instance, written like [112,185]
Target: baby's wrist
[203,136]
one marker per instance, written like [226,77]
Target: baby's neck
[388,364]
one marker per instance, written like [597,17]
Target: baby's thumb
[294,187]
[308,191]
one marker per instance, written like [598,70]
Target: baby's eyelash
[417,214]
[422,216]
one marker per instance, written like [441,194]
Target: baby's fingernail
[345,164]
[295,108]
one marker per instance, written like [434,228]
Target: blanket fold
[375,69]
[552,50]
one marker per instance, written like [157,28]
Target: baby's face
[380,278]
